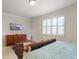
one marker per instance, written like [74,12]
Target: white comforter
[56,50]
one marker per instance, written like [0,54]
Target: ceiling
[22,7]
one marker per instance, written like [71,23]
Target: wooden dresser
[11,39]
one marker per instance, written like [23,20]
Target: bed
[56,50]
[20,47]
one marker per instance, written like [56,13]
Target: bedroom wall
[70,35]
[10,18]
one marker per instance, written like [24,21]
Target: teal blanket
[56,50]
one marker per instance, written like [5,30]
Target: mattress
[56,50]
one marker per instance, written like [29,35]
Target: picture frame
[15,26]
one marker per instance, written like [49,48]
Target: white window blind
[54,26]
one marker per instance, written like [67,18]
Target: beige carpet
[8,53]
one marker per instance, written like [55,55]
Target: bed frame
[18,47]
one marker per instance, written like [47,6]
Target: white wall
[70,14]
[9,18]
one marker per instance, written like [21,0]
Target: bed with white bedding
[56,50]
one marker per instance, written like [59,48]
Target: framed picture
[14,26]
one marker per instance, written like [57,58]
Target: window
[48,26]
[54,26]
[44,26]
[61,25]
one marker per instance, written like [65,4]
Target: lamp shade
[32,2]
